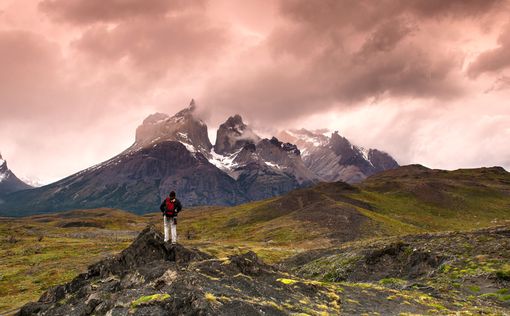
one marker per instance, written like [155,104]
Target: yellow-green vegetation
[425,199]
[392,282]
[149,298]
[210,297]
[37,252]
[287,281]
[504,272]
[502,295]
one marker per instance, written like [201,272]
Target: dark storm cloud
[92,11]
[344,53]
[493,60]
[153,36]
[365,14]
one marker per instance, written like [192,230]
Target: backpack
[170,207]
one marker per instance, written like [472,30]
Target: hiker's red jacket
[169,208]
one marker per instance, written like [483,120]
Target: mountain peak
[233,135]
[235,120]
[183,127]
[188,111]
[156,118]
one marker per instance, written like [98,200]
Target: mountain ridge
[241,166]
[333,158]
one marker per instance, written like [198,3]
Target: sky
[427,81]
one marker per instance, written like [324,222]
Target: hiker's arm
[162,207]
[178,206]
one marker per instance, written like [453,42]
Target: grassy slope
[440,200]
[408,200]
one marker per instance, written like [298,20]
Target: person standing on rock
[170,208]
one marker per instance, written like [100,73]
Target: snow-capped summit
[334,157]
[306,140]
[183,127]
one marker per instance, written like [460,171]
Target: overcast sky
[426,80]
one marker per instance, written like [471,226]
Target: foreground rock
[153,278]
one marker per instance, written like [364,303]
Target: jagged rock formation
[233,135]
[450,272]
[262,167]
[8,180]
[334,158]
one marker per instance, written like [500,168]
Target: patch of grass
[210,297]
[149,298]
[287,281]
[392,282]
[504,273]
[501,295]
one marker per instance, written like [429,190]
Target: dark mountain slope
[134,181]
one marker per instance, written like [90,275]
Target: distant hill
[409,199]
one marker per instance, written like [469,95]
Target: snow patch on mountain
[224,162]
[272,164]
[364,152]
[189,147]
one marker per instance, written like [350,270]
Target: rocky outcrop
[151,277]
[8,180]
